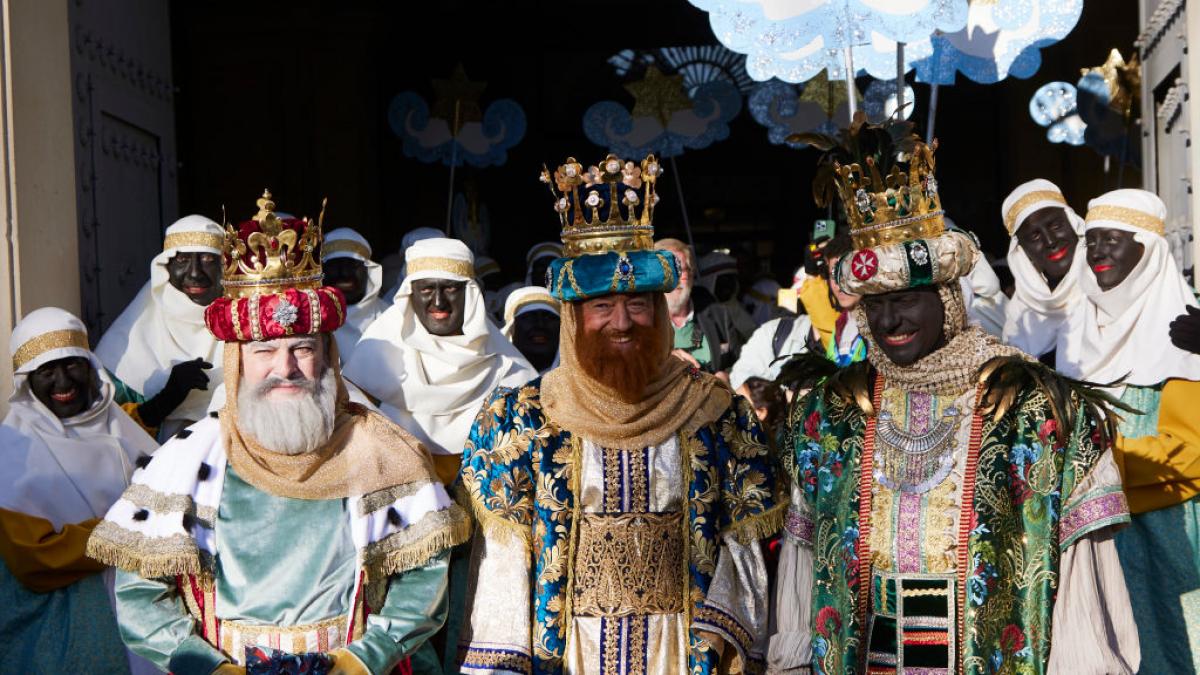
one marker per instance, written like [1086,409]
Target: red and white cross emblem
[864,264]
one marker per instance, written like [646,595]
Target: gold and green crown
[891,209]
[608,207]
[267,254]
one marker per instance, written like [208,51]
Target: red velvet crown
[272,281]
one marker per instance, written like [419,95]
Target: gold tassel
[758,526]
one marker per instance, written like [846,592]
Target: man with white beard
[295,528]
[706,335]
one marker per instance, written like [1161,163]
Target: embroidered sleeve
[754,503]
[1092,494]
[1097,502]
[497,471]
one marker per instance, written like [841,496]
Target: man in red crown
[293,531]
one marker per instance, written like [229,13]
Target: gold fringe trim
[418,544]
[149,557]
[495,526]
[759,526]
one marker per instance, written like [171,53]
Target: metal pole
[900,80]
[453,162]
[850,81]
[687,226]
[933,95]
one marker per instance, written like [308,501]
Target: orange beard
[625,371]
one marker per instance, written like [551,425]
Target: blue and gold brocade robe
[601,560]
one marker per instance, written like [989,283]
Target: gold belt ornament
[629,564]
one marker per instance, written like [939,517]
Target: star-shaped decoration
[828,95]
[1124,80]
[658,95]
[459,93]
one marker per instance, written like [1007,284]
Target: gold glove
[346,663]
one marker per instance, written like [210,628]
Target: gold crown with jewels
[267,254]
[606,207]
[898,207]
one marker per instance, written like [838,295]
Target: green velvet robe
[281,562]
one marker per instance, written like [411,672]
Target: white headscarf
[524,300]
[433,386]
[1123,332]
[406,243]
[163,327]
[346,243]
[1036,314]
[985,300]
[64,470]
[545,249]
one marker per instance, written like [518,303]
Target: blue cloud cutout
[480,144]
[610,124]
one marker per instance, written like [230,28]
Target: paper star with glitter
[1124,80]
[659,96]
[457,91]
[818,90]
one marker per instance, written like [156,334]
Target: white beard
[292,426]
[678,299]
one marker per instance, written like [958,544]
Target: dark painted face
[348,275]
[538,271]
[1049,241]
[725,287]
[66,386]
[535,335]
[440,305]
[1112,254]
[908,324]
[196,275]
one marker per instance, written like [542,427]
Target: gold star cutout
[1124,80]
[658,95]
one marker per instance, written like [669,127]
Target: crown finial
[607,207]
[266,206]
[899,207]
[265,253]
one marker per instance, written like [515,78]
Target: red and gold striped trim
[865,481]
[970,472]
